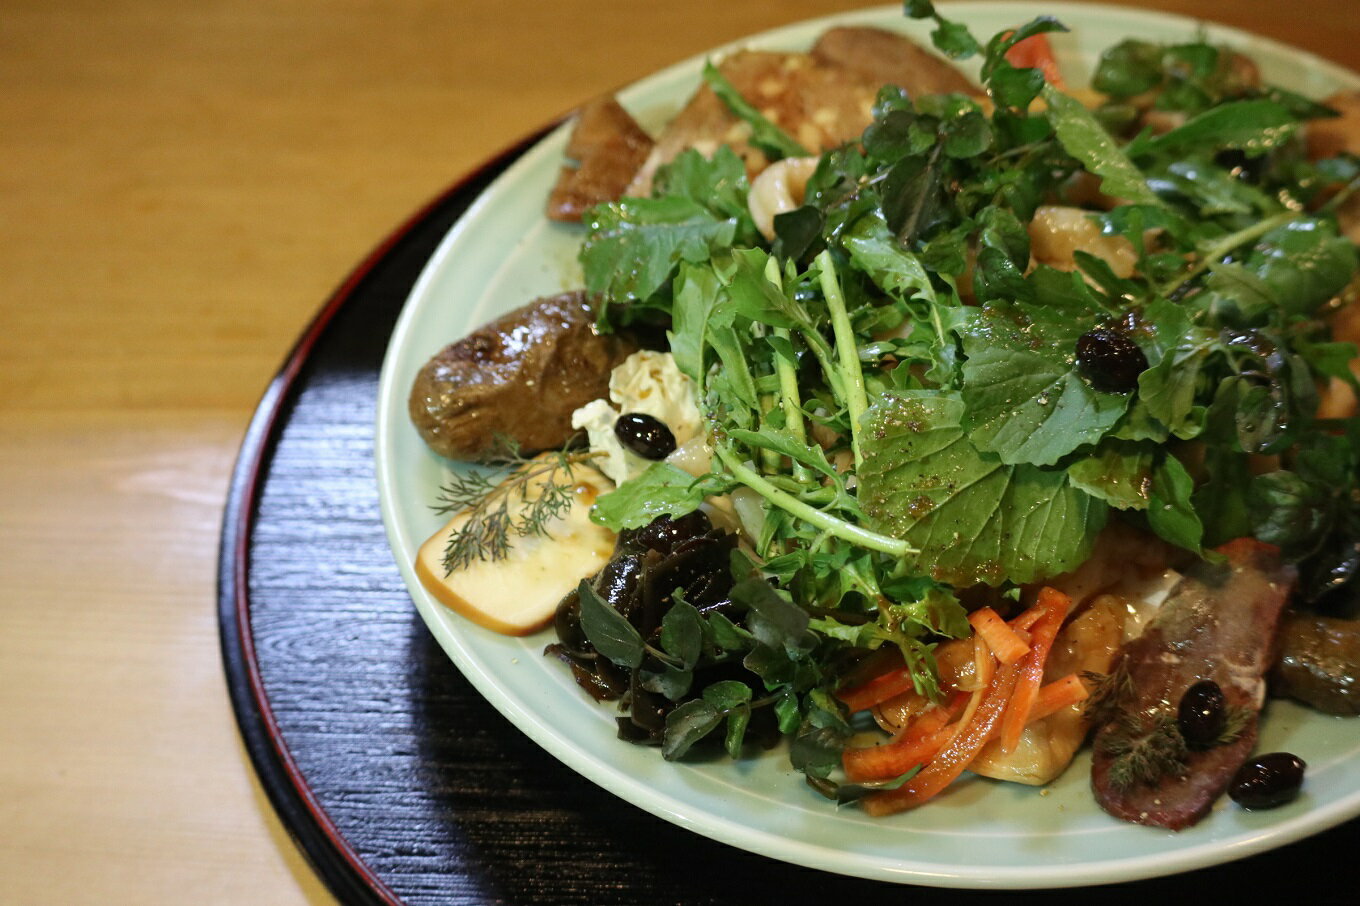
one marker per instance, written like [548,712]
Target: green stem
[790,398]
[793,506]
[1227,244]
[847,351]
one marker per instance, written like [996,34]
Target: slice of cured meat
[1219,624]
[606,148]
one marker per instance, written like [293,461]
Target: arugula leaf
[1254,126]
[1082,136]
[1118,473]
[697,292]
[718,183]
[1304,263]
[1171,514]
[661,490]
[874,250]
[972,517]
[765,135]
[635,244]
[1026,401]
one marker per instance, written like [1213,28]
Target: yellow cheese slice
[519,594]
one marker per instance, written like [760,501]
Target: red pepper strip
[926,735]
[1053,605]
[945,767]
[1035,52]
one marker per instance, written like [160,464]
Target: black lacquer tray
[396,779]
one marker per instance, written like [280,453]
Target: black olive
[1202,713]
[1268,781]
[646,435]
[1110,360]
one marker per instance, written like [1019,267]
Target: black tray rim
[308,823]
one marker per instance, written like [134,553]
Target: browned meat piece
[819,105]
[1320,663]
[607,146]
[1219,624]
[1328,138]
[519,377]
[888,58]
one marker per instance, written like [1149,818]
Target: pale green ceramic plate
[981,834]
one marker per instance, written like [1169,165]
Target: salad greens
[898,390]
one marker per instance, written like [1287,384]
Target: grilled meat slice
[1220,624]
[605,150]
[888,58]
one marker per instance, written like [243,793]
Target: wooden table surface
[181,186]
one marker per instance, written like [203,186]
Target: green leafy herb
[765,135]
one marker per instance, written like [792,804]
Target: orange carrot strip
[1055,696]
[983,662]
[1054,605]
[877,690]
[926,735]
[1035,52]
[1005,644]
[954,758]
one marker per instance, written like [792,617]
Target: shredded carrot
[1053,606]
[878,690]
[917,744]
[1035,52]
[1055,696]
[1001,638]
[983,662]
[955,757]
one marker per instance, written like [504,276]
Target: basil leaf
[608,630]
[774,620]
[682,634]
[686,725]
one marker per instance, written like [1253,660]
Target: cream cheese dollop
[647,382]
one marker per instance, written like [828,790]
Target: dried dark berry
[646,435]
[1268,781]
[1202,713]
[1110,360]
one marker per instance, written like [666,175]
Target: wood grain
[183,184]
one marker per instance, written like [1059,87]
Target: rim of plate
[391,417]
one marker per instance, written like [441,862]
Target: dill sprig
[1146,747]
[522,504]
[1108,692]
